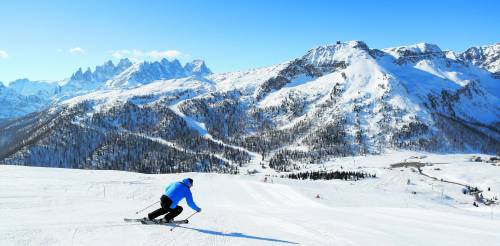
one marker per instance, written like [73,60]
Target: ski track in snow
[51,206]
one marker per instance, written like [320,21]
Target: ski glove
[199,210]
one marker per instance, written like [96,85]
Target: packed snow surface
[49,206]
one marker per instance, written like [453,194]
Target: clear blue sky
[37,36]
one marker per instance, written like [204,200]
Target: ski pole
[146,207]
[172,229]
[191,215]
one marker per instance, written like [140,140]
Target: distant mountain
[335,100]
[197,67]
[124,74]
[487,57]
[14,104]
[83,82]
[27,87]
[102,73]
[145,72]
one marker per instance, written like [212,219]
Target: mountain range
[336,100]
[38,95]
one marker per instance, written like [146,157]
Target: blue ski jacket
[179,190]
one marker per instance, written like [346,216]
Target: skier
[172,195]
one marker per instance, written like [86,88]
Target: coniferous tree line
[223,113]
[266,141]
[328,175]
[123,139]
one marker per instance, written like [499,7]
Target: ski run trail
[51,206]
[256,158]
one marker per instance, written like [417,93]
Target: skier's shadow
[236,234]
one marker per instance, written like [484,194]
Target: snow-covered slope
[148,93]
[379,97]
[42,206]
[335,100]
[245,81]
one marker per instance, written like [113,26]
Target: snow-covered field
[49,206]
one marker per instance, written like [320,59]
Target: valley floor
[49,206]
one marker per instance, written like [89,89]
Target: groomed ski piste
[51,206]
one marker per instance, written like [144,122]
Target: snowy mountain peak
[197,67]
[424,48]
[101,73]
[175,63]
[333,53]
[414,50]
[123,64]
[145,72]
[27,87]
[77,74]
[415,53]
[357,44]
[14,104]
[174,67]
[487,57]
[421,48]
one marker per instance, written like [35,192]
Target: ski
[155,222]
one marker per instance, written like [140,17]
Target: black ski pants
[165,208]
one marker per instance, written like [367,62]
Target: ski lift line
[488,202]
